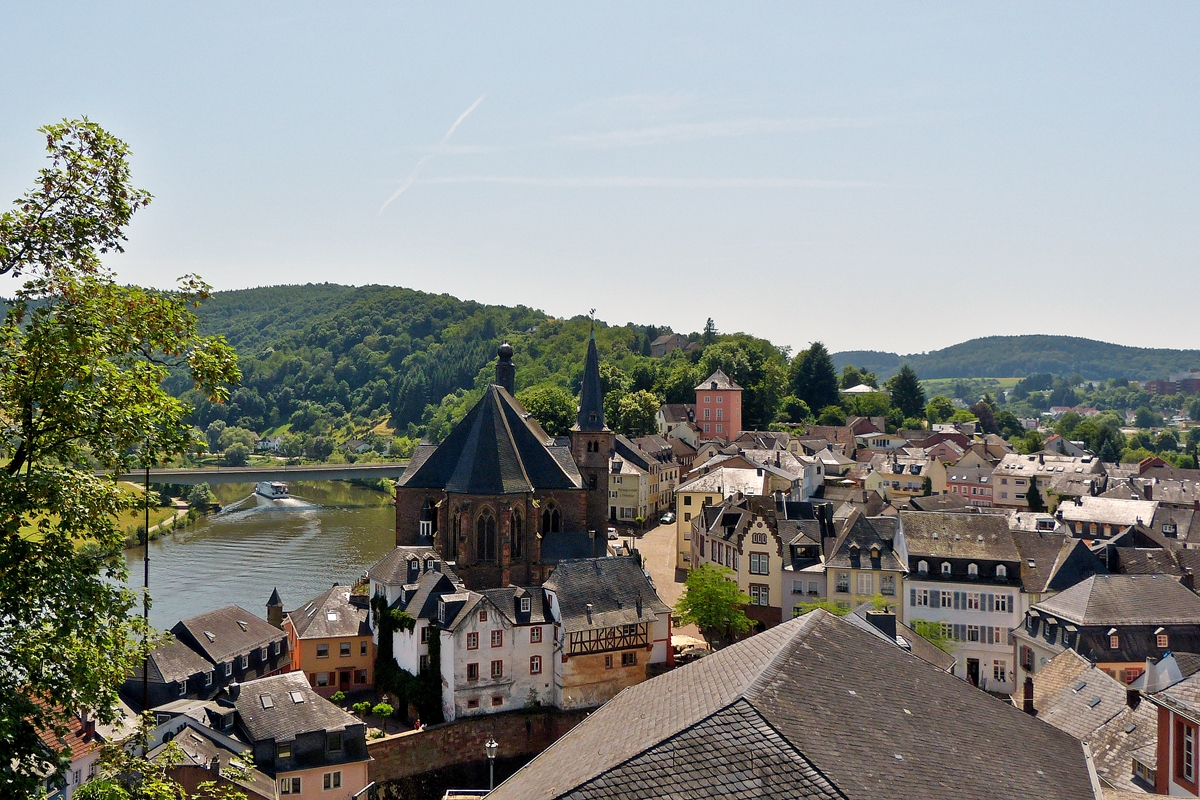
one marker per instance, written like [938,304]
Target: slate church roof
[833,710]
[498,448]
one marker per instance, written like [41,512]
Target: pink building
[719,407]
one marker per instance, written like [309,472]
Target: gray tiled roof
[1125,600]
[1115,742]
[948,535]
[331,614]
[1053,562]
[173,660]
[863,533]
[611,585]
[497,448]
[721,380]
[874,721]
[285,718]
[228,636]
[763,764]
[507,600]
[393,569]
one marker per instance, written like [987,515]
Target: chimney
[589,613]
[884,621]
[1132,697]
[234,690]
[639,605]
[215,764]
[506,373]
[1188,579]
[1149,492]
[1027,698]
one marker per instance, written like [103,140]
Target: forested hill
[1018,356]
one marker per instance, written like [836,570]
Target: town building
[816,708]
[1172,685]
[331,642]
[719,407]
[972,484]
[628,491]
[964,573]
[756,538]
[667,343]
[1105,517]
[868,558]
[500,497]
[706,489]
[663,468]
[1114,621]
[673,415]
[206,653]
[312,749]
[1015,474]
[80,745]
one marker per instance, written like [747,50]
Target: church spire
[591,398]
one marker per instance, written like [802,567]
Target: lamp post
[490,747]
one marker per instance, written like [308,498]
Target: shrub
[338,697]
[361,708]
[382,710]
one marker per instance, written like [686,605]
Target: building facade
[719,407]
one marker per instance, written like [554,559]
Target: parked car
[667,518]
[612,534]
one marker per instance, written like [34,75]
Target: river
[327,532]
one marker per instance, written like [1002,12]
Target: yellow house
[900,476]
[868,559]
[708,489]
[330,641]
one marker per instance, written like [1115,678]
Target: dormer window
[526,604]
[1002,572]
[973,570]
[923,567]
[946,568]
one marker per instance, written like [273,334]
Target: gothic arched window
[551,520]
[518,534]
[485,536]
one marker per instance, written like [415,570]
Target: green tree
[833,607]
[82,365]
[935,634]
[987,419]
[940,409]
[713,602]
[201,496]
[710,333]
[1193,410]
[1008,423]
[1034,498]
[906,391]
[812,377]
[852,376]
[235,435]
[212,435]
[1145,418]
[755,365]
[236,455]
[832,415]
[636,413]
[551,405]
[793,409]
[1167,441]
[1031,442]
[1067,424]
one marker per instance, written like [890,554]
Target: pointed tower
[275,609]
[591,444]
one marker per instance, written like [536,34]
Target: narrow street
[658,549]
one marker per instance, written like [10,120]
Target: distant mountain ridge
[1017,356]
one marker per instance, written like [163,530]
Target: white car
[667,518]
[612,534]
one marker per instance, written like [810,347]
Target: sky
[898,176]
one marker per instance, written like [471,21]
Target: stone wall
[421,764]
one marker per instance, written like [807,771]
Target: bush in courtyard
[382,710]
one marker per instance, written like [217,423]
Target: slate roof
[423,602]
[591,396]
[394,568]
[610,585]
[1125,600]
[331,614]
[949,535]
[815,681]
[726,481]
[497,448]
[906,639]
[200,747]
[677,412]
[1114,744]
[172,661]
[1053,562]
[864,534]
[228,636]
[718,380]
[1108,511]
[285,718]
[507,600]
[565,546]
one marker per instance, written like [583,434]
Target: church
[503,499]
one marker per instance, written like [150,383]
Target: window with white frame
[1001,572]
[972,633]
[526,605]
[866,583]
[759,564]
[262,654]
[289,785]
[333,780]
[923,567]
[228,668]
[1161,640]
[1002,602]
[208,678]
[183,688]
[843,582]
[246,661]
[973,570]
[1114,642]
[535,665]
[760,594]
[946,568]
[535,634]
[973,601]
[797,587]
[1000,671]
[947,600]
[758,538]
[922,597]
[1187,751]
[887,585]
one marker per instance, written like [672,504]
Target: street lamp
[490,747]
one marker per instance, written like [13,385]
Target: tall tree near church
[906,391]
[813,378]
[82,362]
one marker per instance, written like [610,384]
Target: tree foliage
[713,602]
[552,406]
[82,365]
[907,393]
[812,377]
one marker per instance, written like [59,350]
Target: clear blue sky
[896,176]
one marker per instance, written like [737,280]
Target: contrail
[416,170]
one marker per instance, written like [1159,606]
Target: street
[658,549]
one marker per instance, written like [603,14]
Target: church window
[518,534]
[551,520]
[485,536]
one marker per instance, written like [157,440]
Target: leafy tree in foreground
[906,391]
[82,362]
[935,634]
[713,603]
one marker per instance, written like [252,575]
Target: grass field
[975,387]
[129,519]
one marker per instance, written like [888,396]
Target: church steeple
[591,398]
